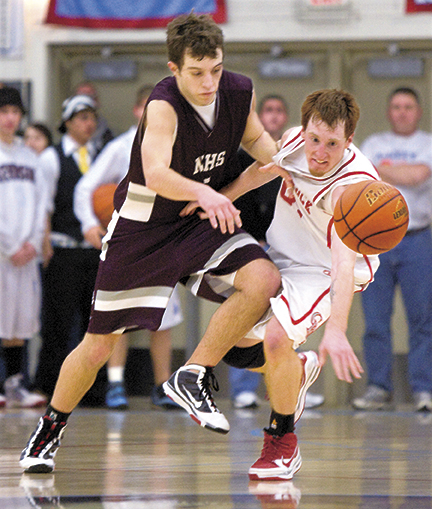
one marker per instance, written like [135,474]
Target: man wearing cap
[23,219]
[69,278]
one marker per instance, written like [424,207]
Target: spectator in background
[403,157]
[38,137]
[69,278]
[103,134]
[23,213]
[257,206]
[257,209]
[111,166]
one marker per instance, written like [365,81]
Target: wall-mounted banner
[128,13]
[418,6]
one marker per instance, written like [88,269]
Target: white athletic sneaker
[313,400]
[311,370]
[375,398]
[192,392]
[423,401]
[246,399]
[17,396]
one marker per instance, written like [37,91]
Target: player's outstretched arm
[335,342]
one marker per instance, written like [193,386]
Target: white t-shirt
[414,149]
[23,198]
[110,166]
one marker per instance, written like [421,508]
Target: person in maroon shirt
[184,152]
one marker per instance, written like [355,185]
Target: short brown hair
[407,91]
[272,97]
[331,106]
[199,35]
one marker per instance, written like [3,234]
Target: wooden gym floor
[154,459]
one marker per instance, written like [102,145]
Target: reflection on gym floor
[146,458]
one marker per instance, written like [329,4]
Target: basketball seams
[372,212]
[378,249]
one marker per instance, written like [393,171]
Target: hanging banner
[128,13]
[418,6]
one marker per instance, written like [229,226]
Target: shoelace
[273,446]
[50,427]
[209,380]
[269,448]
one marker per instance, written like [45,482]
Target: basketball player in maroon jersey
[185,150]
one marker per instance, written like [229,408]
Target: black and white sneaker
[189,387]
[38,456]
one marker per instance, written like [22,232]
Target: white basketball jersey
[303,222]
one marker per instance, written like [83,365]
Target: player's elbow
[153,179]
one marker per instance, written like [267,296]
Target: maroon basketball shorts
[141,263]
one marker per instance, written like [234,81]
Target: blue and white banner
[128,13]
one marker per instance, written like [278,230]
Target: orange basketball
[371,217]
[103,203]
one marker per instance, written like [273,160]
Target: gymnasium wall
[338,48]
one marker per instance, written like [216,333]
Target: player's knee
[98,349]
[276,342]
[264,278]
[273,279]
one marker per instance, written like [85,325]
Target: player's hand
[23,255]
[278,170]
[217,208]
[94,236]
[191,208]
[345,362]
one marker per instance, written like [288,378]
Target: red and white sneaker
[311,370]
[2,401]
[280,459]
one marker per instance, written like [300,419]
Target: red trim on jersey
[311,310]
[340,179]
[329,228]
[289,141]
[417,6]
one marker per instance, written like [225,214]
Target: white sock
[116,374]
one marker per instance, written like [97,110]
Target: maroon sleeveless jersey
[149,248]
[199,153]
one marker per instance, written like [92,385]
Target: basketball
[103,203]
[371,217]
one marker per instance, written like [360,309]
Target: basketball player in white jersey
[319,273]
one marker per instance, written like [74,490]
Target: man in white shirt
[69,278]
[403,158]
